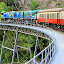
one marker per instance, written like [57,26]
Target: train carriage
[51,16]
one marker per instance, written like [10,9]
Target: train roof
[52,10]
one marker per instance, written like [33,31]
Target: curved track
[59,55]
[48,31]
[58,58]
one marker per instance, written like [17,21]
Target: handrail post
[34,59]
[50,52]
[45,56]
[42,57]
[52,48]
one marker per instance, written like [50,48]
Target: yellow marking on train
[12,14]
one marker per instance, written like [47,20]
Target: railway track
[57,29]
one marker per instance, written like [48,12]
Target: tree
[59,6]
[10,2]
[8,8]
[2,6]
[34,5]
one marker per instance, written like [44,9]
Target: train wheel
[58,26]
[63,27]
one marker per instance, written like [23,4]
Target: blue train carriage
[7,16]
[30,16]
[27,16]
[12,16]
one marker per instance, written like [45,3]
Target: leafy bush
[59,6]
[57,3]
[25,8]
[10,2]
[9,8]
[34,5]
[2,6]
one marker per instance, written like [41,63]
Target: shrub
[34,5]
[59,6]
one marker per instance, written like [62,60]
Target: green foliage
[49,2]
[18,9]
[1,35]
[25,7]
[15,9]
[59,6]
[9,8]
[46,7]
[57,3]
[22,41]
[1,39]
[10,2]
[0,17]
[2,6]
[34,5]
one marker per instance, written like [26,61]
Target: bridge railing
[46,55]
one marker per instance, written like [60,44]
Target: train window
[42,15]
[55,16]
[47,15]
[39,15]
[61,15]
[52,15]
